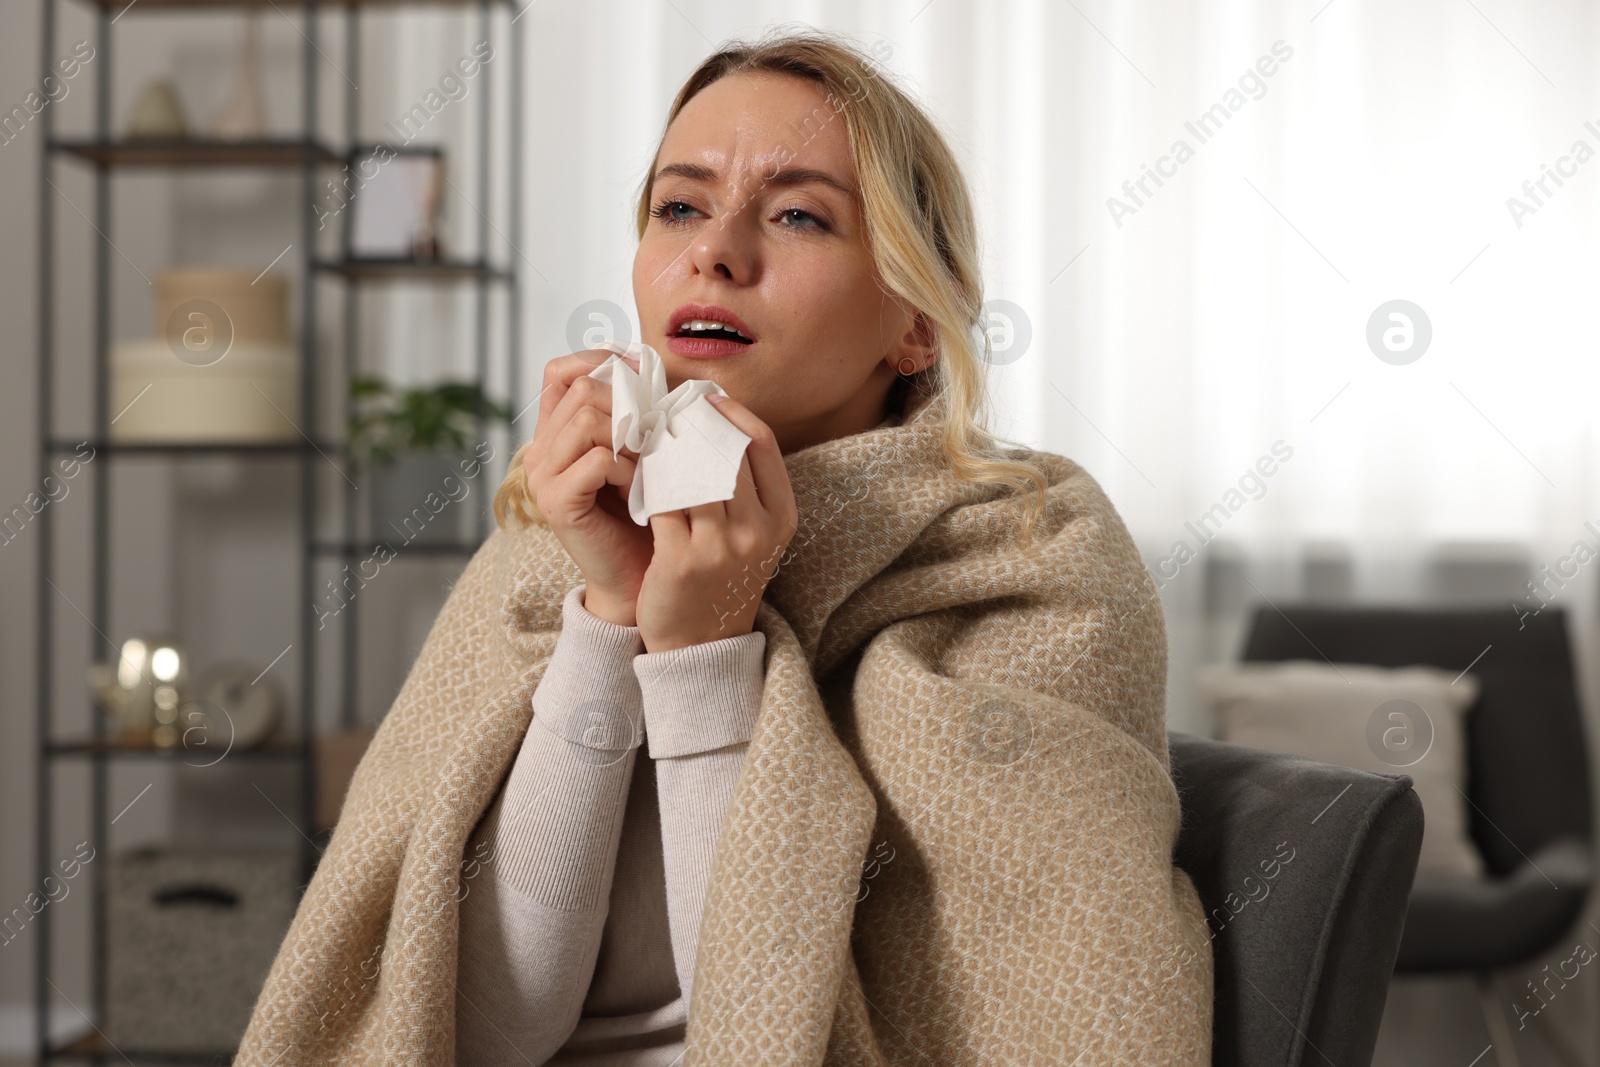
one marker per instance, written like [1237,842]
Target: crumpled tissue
[689,452]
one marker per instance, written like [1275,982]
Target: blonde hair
[921,233]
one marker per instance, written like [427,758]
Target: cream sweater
[584,881]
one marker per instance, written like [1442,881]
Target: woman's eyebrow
[787,176]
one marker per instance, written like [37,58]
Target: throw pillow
[1406,720]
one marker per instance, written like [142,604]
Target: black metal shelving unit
[306,156]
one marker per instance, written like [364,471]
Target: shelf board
[238,448]
[400,549]
[272,748]
[196,152]
[407,270]
[92,1044]
[293,5]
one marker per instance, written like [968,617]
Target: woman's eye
[816,222]
[794,218]
[663,211]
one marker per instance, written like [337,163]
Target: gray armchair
[1304,869]
[1527,782]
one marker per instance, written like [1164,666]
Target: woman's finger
[575,432]
[709,518]
[670,530]
[560,373]
[768,475]
[564,392]
[745,506]
[578,484]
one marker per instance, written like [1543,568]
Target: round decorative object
[255,306]
[250,396]
[239,705]
[220,368]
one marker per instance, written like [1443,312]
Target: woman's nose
[725,248]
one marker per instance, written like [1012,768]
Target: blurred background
[1309,288]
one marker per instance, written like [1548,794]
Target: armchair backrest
[1528,772]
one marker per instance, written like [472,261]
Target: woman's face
[755,212]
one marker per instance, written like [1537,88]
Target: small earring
[902,366]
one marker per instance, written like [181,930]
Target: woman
[905,794]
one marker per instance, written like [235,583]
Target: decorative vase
[158,112]
[412,500]
[245,116]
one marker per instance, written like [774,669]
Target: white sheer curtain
[1340,155]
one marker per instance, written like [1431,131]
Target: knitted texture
[951,840]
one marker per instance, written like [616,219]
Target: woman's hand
[571,472]
[712,562]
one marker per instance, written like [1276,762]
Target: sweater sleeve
[700,707]
[530,928]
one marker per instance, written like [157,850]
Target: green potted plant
[415,447]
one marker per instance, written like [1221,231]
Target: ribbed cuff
[703,696]
[574,615]
[589,694]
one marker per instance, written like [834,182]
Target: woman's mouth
[707,339]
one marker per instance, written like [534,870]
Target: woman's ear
[918,345]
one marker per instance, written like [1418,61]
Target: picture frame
[394,200]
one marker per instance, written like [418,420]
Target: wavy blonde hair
[921,233]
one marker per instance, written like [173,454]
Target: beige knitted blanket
[951,841]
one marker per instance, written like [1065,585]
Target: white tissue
[689,452]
